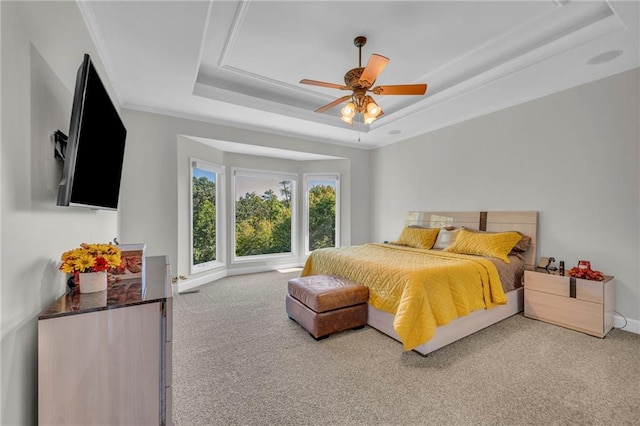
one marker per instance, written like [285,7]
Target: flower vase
[92,282]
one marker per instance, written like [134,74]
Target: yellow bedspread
[422,288]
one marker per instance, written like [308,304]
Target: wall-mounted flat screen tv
[95,147]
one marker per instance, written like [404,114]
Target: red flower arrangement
[584,271]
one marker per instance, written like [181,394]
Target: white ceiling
[239,63]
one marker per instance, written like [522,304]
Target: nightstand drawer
[592,291]
[553,284]
[577,314]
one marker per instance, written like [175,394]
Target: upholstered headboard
[522,221]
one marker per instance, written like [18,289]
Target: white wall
[572,156]
[42,47]
[154,195]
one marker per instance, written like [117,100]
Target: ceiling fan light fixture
[373,108]
[347,119]
[349,110]
[368,118]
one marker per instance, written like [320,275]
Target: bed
[463,293]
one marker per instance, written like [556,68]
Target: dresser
[105,358]
[578,304]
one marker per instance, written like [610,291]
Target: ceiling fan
[359,81]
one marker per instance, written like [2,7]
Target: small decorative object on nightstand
[575,303]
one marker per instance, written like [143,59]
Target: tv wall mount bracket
[59,140]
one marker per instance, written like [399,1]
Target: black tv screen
[95,146]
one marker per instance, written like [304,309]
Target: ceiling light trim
[203,39]
[232,36]
[273,81]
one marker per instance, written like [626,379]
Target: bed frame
[523,221]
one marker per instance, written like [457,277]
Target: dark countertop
[152,287]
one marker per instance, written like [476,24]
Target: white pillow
[445,239]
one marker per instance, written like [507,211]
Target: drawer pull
[572,287]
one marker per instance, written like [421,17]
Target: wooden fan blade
[401,89]
[374,67]
[324,84]
[334,103]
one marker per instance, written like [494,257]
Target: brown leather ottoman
[325,304]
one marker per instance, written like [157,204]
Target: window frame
[220,224]
[307,177]
[293,177]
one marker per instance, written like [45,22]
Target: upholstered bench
[325,304]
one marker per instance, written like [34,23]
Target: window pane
[204,216]
[322,214]
[263,215]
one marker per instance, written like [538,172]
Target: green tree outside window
[263,222]
[322,217]
[204,216]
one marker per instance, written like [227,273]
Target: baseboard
[632,325]
[191,283]
[261,268]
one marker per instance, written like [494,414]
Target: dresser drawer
[577,314]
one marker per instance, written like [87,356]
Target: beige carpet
[238,359]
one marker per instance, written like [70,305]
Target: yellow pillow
[422,238]
[495,245]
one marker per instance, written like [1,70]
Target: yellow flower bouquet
[90,258]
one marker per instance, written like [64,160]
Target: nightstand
[582,305]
